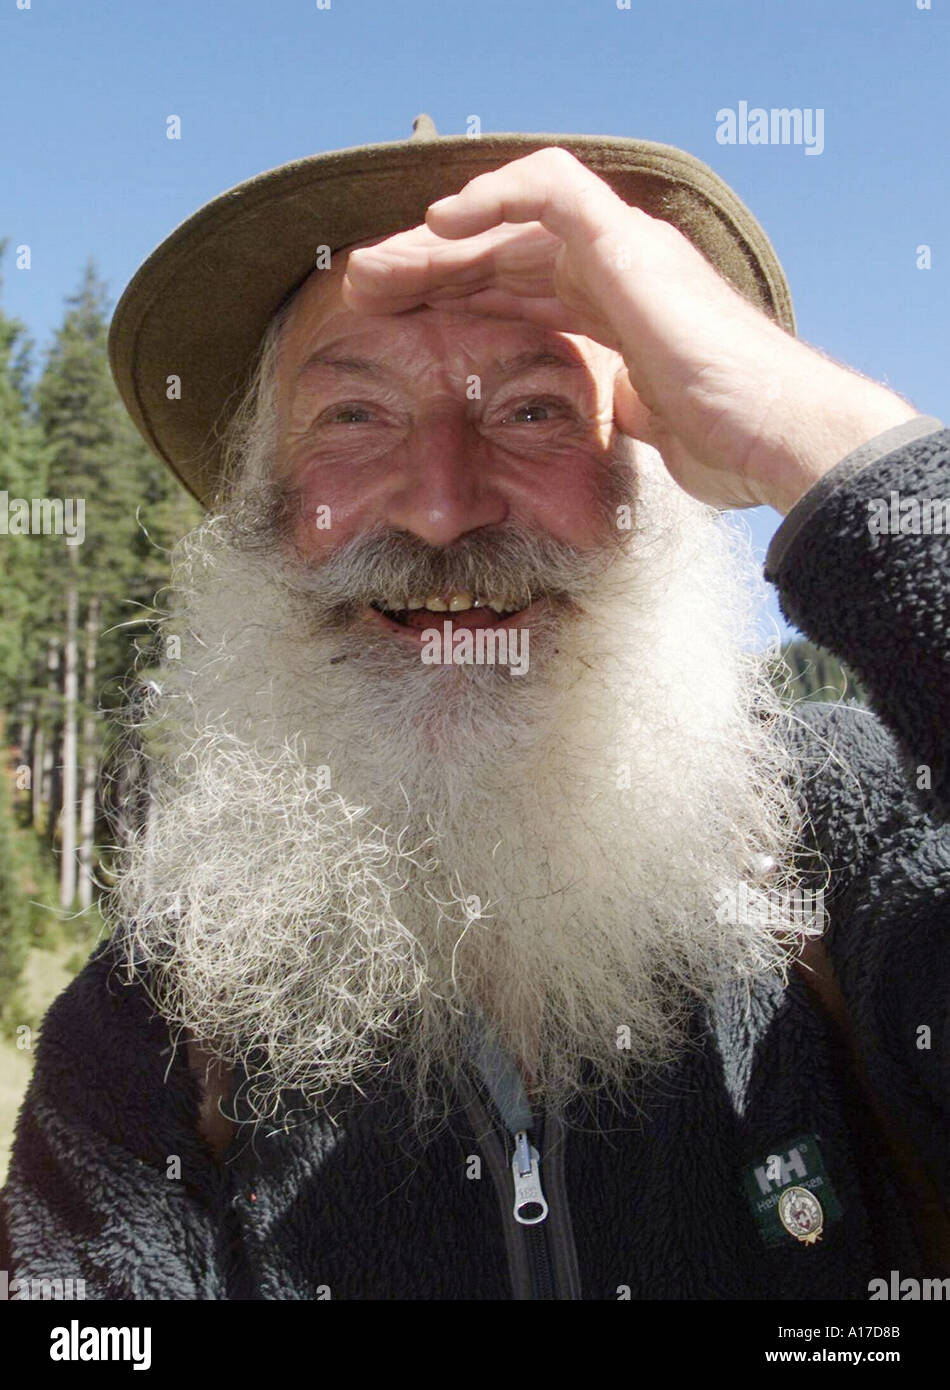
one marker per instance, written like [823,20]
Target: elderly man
[494,931]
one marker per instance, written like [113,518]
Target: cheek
[332,508]
[567,502]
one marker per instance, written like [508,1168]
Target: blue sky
[85,89]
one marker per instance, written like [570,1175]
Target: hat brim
[198,307]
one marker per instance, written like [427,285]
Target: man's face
[437,424]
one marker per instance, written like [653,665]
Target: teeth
[459,600]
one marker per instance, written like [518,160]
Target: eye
[350,413]
[536,412]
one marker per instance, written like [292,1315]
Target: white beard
[548,848]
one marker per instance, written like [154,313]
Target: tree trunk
[67,844]
[36,768]
[38,750]
[49,730]
[27,735]
[25,726]
[90,762]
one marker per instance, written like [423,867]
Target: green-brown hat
[197,309]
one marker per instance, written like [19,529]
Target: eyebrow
[506,368]
[344,366]
[533,360]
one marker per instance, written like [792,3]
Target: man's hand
[742,413]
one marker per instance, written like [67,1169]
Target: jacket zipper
[530,1223]
[530,1210]
[542,1273]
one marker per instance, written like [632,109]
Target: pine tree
[22,474]
[18,463]
[77,410]
[134,511]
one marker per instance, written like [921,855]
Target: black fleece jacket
[674,1193]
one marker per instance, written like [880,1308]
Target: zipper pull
[530,1206]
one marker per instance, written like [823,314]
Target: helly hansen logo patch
[790,1193]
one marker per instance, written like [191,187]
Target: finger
[631,414]
[549,186]
[419,262]
[414,269]
[518,261]
[451,296]
[497,304]
[376,303]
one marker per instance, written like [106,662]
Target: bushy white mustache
[387,567]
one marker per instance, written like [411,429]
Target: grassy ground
[47,974]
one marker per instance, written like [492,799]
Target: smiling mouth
[462,609]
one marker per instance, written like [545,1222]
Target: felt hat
[198,307]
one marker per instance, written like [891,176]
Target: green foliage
[45,924]
[135,509]
[14,916]
[804,671]
[22,474]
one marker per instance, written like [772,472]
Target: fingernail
[442,201]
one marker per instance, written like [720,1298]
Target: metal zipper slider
[530,1207]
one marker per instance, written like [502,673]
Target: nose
[444,488]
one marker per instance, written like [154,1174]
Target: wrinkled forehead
[320,294]
[318,317]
